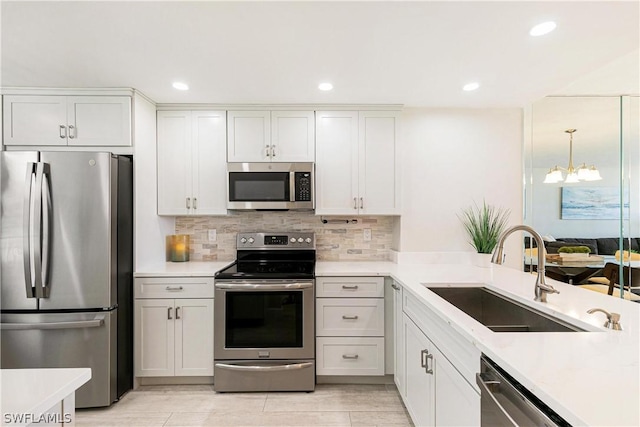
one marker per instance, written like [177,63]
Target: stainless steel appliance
[67,262]
[272,186]
[264,333]
[506,403]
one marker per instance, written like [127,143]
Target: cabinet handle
[345,317]
[174,288]
[396,287]
[350,356]
[188,202]
[423,358]
[355,203]
[427,369]
[350,287]
[177,312]
[195,203]
[72,131]
[268,152]
[169,313]
[273,151]
[63,131]
[361,203]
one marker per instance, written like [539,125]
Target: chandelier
[582,173]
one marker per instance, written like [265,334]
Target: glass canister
[178,247]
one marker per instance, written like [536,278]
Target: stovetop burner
[272,256]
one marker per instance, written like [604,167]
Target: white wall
[150,229]
[451,159]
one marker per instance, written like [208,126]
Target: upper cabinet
[357,163]
[55,120]
[192,163]
[271,136]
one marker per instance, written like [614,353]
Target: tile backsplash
[337,240]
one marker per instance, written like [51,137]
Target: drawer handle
[350,356]
[345,317]
[169,313]
[396,287]
[350,287]
[174,288]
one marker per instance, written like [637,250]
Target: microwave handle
[292,186]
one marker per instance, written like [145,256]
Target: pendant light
[582,173]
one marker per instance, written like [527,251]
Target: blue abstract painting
[592,203]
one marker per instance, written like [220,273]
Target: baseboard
[353,379]
[173,381]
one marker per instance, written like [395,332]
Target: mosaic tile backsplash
[335,241]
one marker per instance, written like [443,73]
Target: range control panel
[277,240]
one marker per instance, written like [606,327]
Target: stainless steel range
[264,337]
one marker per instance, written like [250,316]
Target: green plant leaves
[484,225]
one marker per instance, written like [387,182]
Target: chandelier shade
[582,173]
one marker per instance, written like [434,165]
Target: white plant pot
[483,260]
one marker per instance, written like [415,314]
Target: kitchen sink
[499,313]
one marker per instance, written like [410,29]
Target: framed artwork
[592,203]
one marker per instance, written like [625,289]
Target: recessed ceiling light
[542,29]
[325,86]
[471,86]
[180,86]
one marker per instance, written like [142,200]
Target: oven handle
[262,286]
[254,368]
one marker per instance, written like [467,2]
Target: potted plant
[484,225]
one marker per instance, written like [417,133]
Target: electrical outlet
[366,234]
[213,236]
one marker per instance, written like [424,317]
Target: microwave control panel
[303,186]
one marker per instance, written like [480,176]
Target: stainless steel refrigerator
[66,234]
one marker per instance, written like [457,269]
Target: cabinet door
[452,393]
[34,120]
[378,179]
[174,163]
[292,136]
[99,120]
[194,337]
[249,136]
[209,142]
[154,338]
[420,385]
[399,345]
[336,162]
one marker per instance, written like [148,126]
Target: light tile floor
[328,405]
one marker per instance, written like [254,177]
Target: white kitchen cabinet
[271,136]
[356,163]
[192,163]
[173,336]
[80,121]
[350,331]
[420,384]
[399,371]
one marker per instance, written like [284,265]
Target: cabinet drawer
[350,317]
[173,287]
[350,287]
[349,356]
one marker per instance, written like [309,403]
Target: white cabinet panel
[249,136]
[34,120]
[420,385]
[154,338]
[292,136]
[350,317]
[209,164]
[174,160]
[194,337]
[99,120]
[349,356]
[399,369]
[350,287]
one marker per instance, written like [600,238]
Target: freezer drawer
[65,340]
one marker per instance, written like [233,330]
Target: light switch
[213,236]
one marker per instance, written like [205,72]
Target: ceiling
[411,53]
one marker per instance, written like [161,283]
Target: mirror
[604,214]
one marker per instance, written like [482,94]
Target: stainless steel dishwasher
[506,403]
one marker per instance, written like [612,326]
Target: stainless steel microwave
[270,186]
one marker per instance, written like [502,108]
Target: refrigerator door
[81,215]
[17,289]
[65,340]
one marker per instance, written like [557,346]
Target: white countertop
[34,391]
[184,269]
[589,378]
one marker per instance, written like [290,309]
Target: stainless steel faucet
[541,287]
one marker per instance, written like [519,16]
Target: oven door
[261,319]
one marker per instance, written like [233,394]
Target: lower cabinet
[399,370]
[436,393]
[173,336]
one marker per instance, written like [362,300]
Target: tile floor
[328,405]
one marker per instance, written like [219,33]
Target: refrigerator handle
[26,233]
[37,228]
[96,322]
[47,229]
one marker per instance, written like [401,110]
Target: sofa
[598,246]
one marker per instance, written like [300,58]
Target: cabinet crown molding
[282,107]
